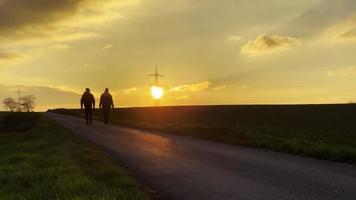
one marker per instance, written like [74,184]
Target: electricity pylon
[156,75]
[19,93]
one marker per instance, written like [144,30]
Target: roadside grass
[320,131]
[323,145]
[18,122]
[49,162]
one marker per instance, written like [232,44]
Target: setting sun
[157,92]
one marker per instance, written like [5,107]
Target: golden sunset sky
[211,51]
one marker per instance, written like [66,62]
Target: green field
[41,160]
[320,131]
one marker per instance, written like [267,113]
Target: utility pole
[18,100]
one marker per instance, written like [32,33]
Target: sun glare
[157,92]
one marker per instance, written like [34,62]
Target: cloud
[344,30]
[223,87]
[348,71]
[60,46]
[128,91]
[315,16]
[9,55]
[234,39]
[22,17]
[264,44]
[350,34]
[175,92]
[47,97]
[68,36]
[107,47]
[195,87]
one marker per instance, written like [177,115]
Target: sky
[211,52]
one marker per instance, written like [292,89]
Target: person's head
[87,90]
[106,90]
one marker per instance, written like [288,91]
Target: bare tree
[10,104]
[27,102]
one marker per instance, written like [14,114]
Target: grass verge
[49,162]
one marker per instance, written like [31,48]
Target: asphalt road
[181,167]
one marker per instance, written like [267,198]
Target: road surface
[181,167]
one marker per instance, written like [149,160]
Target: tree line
[22,104]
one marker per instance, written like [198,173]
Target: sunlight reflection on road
[155,144]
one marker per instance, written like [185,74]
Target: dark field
[40,160]
[320,131]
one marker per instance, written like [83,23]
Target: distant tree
[10,104]
[27,102]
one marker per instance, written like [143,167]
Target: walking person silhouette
[106,103]
[88,101]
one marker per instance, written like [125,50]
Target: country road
[181,167]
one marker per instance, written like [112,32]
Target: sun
[157,92]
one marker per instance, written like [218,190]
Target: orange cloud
[195,87]
[219,88]
[128,90]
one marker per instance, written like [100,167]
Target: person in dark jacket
[106,103]
[88,101]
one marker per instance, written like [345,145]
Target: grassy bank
[45,161]
[320,131]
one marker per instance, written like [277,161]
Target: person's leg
[90,115]
[105,112]
[107,115]
[87,116]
